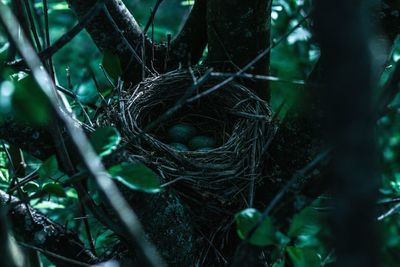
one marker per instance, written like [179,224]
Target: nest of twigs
[235,117]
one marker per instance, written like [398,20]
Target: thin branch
[261,77]
[47,38]
[32,24]
[389,201]
[152,16]
[394,210]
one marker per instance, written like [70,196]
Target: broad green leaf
[136,176]
[29,103]
[31,187]
[54,189]
[105,140]
[247,219]
[49,167]
[112,64]
[303,257]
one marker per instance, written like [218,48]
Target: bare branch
[38,230]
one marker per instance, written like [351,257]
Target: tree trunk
[238,31]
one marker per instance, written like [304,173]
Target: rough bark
[39,231]
[188,46]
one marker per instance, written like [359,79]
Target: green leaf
[307,222]
[54,189]
[279,263]
[304,257]
[29,102]
[247,219]
[49,168]
[105,140]
[112,64]
[136,176]
[31,187]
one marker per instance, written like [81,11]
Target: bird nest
[238,120]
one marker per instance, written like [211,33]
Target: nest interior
[216,180]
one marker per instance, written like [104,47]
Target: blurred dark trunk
[7,259]
[348,123]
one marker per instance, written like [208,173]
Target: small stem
[32,25]
[47,36]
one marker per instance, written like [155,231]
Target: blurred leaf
[307,222]
[49,167]
[105,239]
[247,219]
[87,93]
[3,56]
[29,103]
[31,187]
[105,140]
[112,65]
[54,189]
[187,2]
[60,6]
[71,193]
[279,263]
[49,205]
[304,257]
[136,176]
[281,239]
[7,90]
